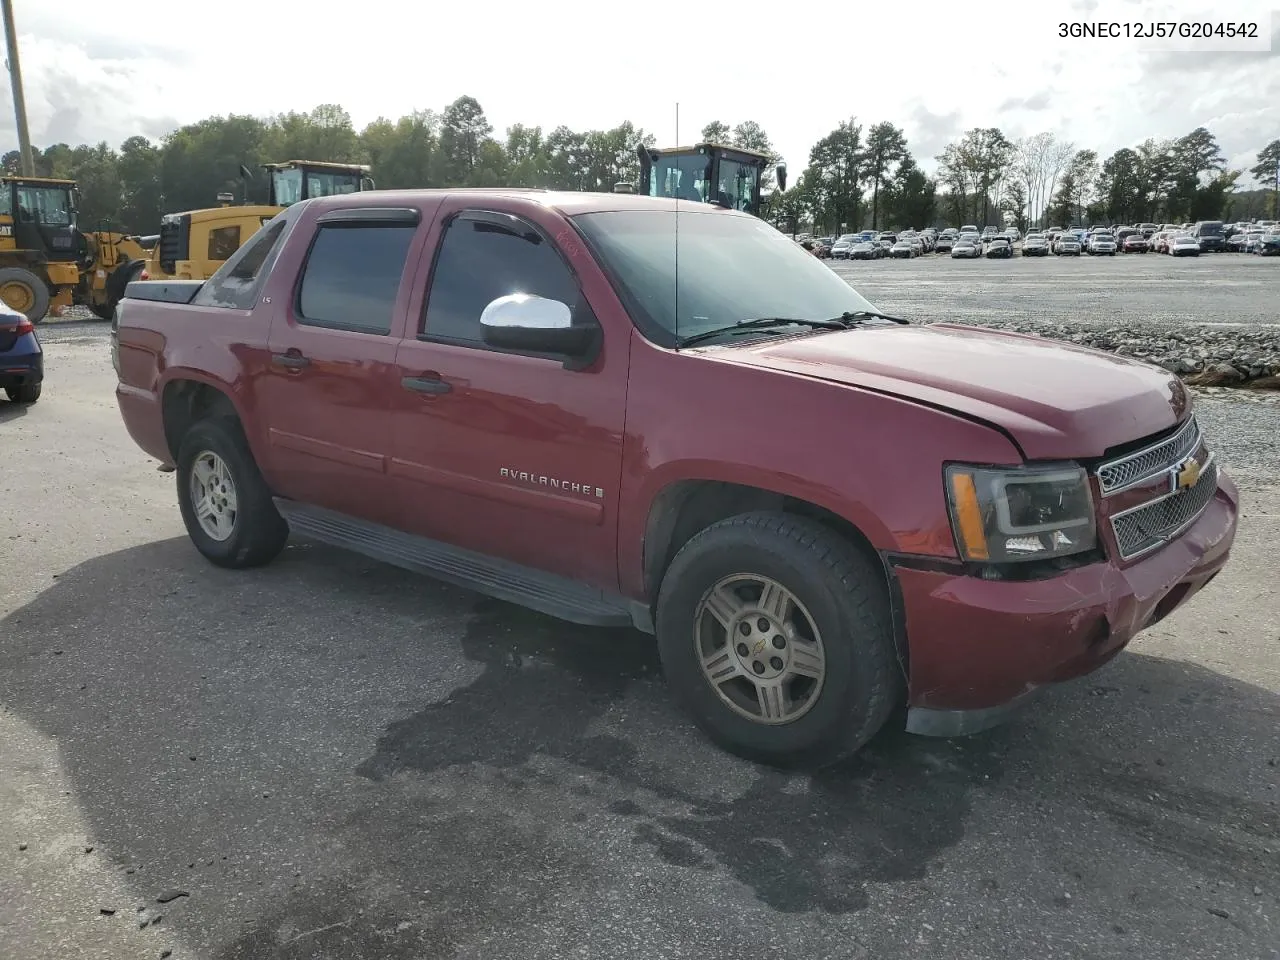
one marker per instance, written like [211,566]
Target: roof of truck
[567,202]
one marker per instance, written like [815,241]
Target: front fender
[873,459]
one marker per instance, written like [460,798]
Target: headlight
[1007,515]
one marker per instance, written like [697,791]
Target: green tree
[406,152]
[1014,205]
[912,197]
[716,132]
[463,129]
[886,147]
[836,161]
[1121,188]
[1266,171]
[140,196]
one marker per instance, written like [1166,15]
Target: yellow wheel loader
[47,263]
[194,244]
[706,173]
[41,249]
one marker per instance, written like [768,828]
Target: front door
[507,453]
[326,397]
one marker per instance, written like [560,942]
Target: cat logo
[6,230]
[1188,474]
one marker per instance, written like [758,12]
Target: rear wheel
[775,636]
[25,291]
[225,503]
[27,393]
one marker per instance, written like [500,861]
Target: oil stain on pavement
[800,843]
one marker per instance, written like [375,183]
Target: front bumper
[979,648]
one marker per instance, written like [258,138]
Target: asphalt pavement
[328,758]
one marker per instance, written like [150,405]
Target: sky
[95,71]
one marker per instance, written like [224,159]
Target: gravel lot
[1149,292]
[1132,290]
[328,758]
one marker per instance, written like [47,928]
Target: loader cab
[713,173]
[38,214]
[296,180]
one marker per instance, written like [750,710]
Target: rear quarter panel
[161,343]
[874,460]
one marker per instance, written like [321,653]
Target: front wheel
[775,636]
[25,292]
[225,503]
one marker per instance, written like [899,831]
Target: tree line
[858,176]
[866,177]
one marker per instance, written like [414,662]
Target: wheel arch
[186,398]
[683,508]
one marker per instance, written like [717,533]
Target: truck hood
[1057,400]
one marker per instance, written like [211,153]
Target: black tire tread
[866,601]
[27,393]
[265,532]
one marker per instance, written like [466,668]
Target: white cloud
[96,72]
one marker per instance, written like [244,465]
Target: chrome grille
[1153,524]
[1142,465]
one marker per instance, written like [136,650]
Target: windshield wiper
[760,322]
[851,317]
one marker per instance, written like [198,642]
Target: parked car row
[992,243]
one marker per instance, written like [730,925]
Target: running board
[545,592]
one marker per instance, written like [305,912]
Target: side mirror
[522,321]
[366,183]
[782,176]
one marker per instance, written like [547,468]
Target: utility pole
[27,164]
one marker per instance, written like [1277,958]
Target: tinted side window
[480,261]
[235,283]
[352,276]
[223,242]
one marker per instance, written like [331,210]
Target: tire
[27,393]
[839,596]
[36,300]
[257,532]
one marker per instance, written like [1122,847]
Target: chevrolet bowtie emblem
[1188,474]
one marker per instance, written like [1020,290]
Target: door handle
[290,361]
[426,384]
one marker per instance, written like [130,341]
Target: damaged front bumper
[979,649]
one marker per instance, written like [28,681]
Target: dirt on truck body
[541,397]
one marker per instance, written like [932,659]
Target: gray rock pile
[1204,356]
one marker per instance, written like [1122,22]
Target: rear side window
[235,284]
[352,276]
[483,257]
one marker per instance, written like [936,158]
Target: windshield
[331,183]
[682,177]
[1211,229]
[287,185]
[730,269]
[50,206]
[320,183]
[738,185]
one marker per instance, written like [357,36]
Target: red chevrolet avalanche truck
[625,412]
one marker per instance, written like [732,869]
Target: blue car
[21,358]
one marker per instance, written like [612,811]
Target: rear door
[326,398]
